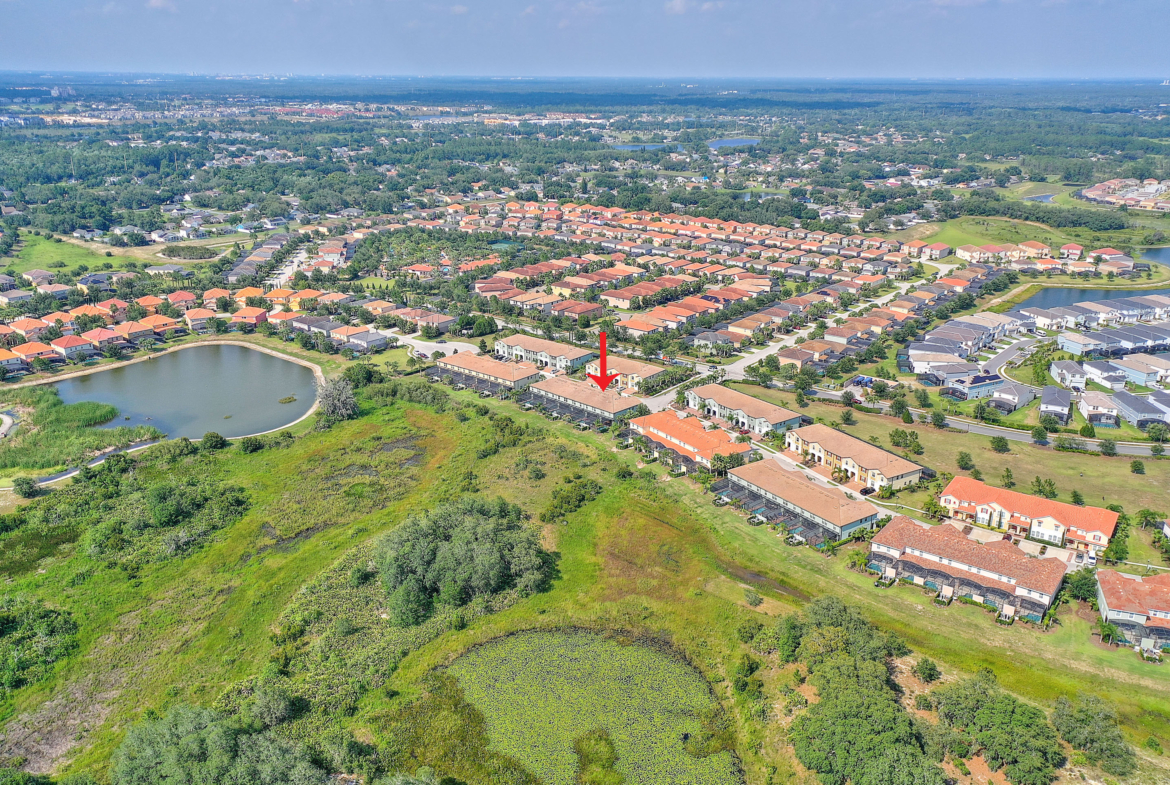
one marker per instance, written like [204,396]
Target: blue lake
[1056,297]
[232,390]
[647,146]
[717,143]
[1047,198]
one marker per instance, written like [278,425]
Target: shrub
[1010,735]
[922,702]
[193,744]
[1000,444]
[26,487]
[752,598]
[1137,467]
[251,444]
[213,441]
[926,670]
[1108,447]
[964,461]
[1090,725]
[455,553]
[1039,434]
[32,639]
[336,399]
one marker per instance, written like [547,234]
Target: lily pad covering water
[539,691]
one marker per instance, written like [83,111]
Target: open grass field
[649,558]
[978,230]
[36,252]
[541,691]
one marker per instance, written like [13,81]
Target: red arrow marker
[603,379]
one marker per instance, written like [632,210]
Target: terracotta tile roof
[480,363]
[829,504]
[626,365]
[973,492]
[999,556]
[31,348]
[752,407]
[864,454]
[587,394]
[687,435]
[67,341]
[1133,593]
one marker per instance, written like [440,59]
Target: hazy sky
[672,38]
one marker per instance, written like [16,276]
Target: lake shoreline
[316,369]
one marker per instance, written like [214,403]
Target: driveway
[1007,355]
[430,347]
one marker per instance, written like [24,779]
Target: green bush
[926,670]
[1009,734]
[455,553]
[32,639]
[1090,725]
[192,744]
[213,441]
[251,444]
[26,487]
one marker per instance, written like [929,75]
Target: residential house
[197,318]
[133,331]
[541,352]
[1011,396]
[1137,605]
[71,347]
[1056,402]
[513,375]
[684,441]
[1136,371]
[1068,374]
[101,337]
[944,559]
[1099,410]
[741,410]
[1085,529]
[631,373]
[1105,374]
[1138,411]
[859,461]
[583,397]
[971,388]
[816,513]
[34,349]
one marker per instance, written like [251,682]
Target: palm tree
[1109,632]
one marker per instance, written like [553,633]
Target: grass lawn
[979,230]
[36,252]
[1141,548]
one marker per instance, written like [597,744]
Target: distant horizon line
[270,75]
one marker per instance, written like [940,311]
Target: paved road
[1011,434]
[1007,355]
[738,369]
[430,347]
